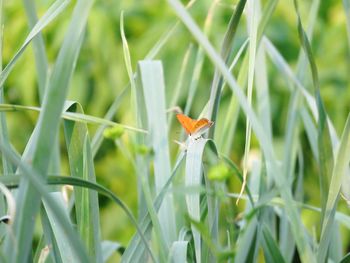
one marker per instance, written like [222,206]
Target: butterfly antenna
[175,109]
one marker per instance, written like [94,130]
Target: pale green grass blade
[346,4]
[253,30]
[346,259]
[325,156]
[151,77]
[193,178]
[134,250]
[246,243]
[47,238]
[38,184]
[291,144]
[271,249]
[233,110]
[272,167]
[82,166]
[230,123]
[325,152]
[38,47]
[109,248]
[55,9]
[339,171]
[47,126]
[65,251]
[178,252]
[73,116]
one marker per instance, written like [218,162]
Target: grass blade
[81,165]
[151,77]
[339,171]
[271,249]
[193,178]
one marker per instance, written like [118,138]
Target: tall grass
[186,192]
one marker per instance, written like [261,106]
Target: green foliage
[272,76]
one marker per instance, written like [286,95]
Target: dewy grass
[183,213]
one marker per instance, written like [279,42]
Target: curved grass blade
[73,116]
[37,183]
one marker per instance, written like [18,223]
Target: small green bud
[113,133]
[219,172]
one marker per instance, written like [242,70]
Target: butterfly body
[194,128]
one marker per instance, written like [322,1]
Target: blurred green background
[101,75]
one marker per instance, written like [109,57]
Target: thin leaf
[82,166]
[271,249]
[339,171]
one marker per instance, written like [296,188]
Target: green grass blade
[246,243]
[226,48]
[253,28]
[65,251]
[324,140]
[82,166]
[270,247]
[339,171]
[73,116]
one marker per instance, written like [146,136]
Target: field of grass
[95,166]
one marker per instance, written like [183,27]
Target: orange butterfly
[193,127]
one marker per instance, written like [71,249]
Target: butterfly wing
[186,122]
[201,126]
